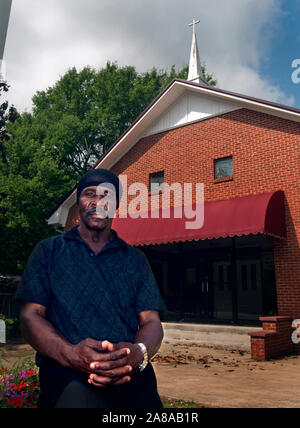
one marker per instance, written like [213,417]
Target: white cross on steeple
[194,24]
[195,70]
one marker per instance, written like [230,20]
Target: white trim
[60,216]
[192,122]
[260,105]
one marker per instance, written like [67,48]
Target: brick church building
[242,266]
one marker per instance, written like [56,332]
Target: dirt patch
[182,354]
[13,353]
[222,378]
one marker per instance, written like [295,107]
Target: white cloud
[247,81]
[48,37]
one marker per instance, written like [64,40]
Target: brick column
[274,340]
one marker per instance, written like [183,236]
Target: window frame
[151,176]
[222,179]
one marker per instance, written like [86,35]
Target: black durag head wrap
[99,176]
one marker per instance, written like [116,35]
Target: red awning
[252,214]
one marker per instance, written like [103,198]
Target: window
[229,278]
[244,277]
[253,277]
[221,277]
[190,275]
[156,181]
[223,168]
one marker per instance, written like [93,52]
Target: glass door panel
[222,290]
[249,290]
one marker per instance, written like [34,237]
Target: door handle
[202,287]
[207,286]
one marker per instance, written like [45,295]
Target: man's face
[97,205]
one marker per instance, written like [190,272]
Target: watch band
[144,363]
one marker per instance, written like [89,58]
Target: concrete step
[212,335]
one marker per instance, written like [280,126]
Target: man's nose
[96,200]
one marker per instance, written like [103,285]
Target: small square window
[156,181]
[223,168]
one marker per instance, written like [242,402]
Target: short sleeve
[35,286]
[148,296]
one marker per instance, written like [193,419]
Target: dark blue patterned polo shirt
[88,295]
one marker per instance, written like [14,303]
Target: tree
[183,74]
[86,111]
[209,78]
[29,180]
[6,115]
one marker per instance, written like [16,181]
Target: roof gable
[188,108]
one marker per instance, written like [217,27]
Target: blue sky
[249,45]
[285,47]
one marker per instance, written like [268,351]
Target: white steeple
[195,70]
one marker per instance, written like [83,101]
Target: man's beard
[97,225]
[99,211]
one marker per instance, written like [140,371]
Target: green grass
[180,404]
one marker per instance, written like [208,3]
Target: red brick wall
[73,218]
[266,156]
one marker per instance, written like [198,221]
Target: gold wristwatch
[145,359]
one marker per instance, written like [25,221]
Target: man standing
[90,308]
